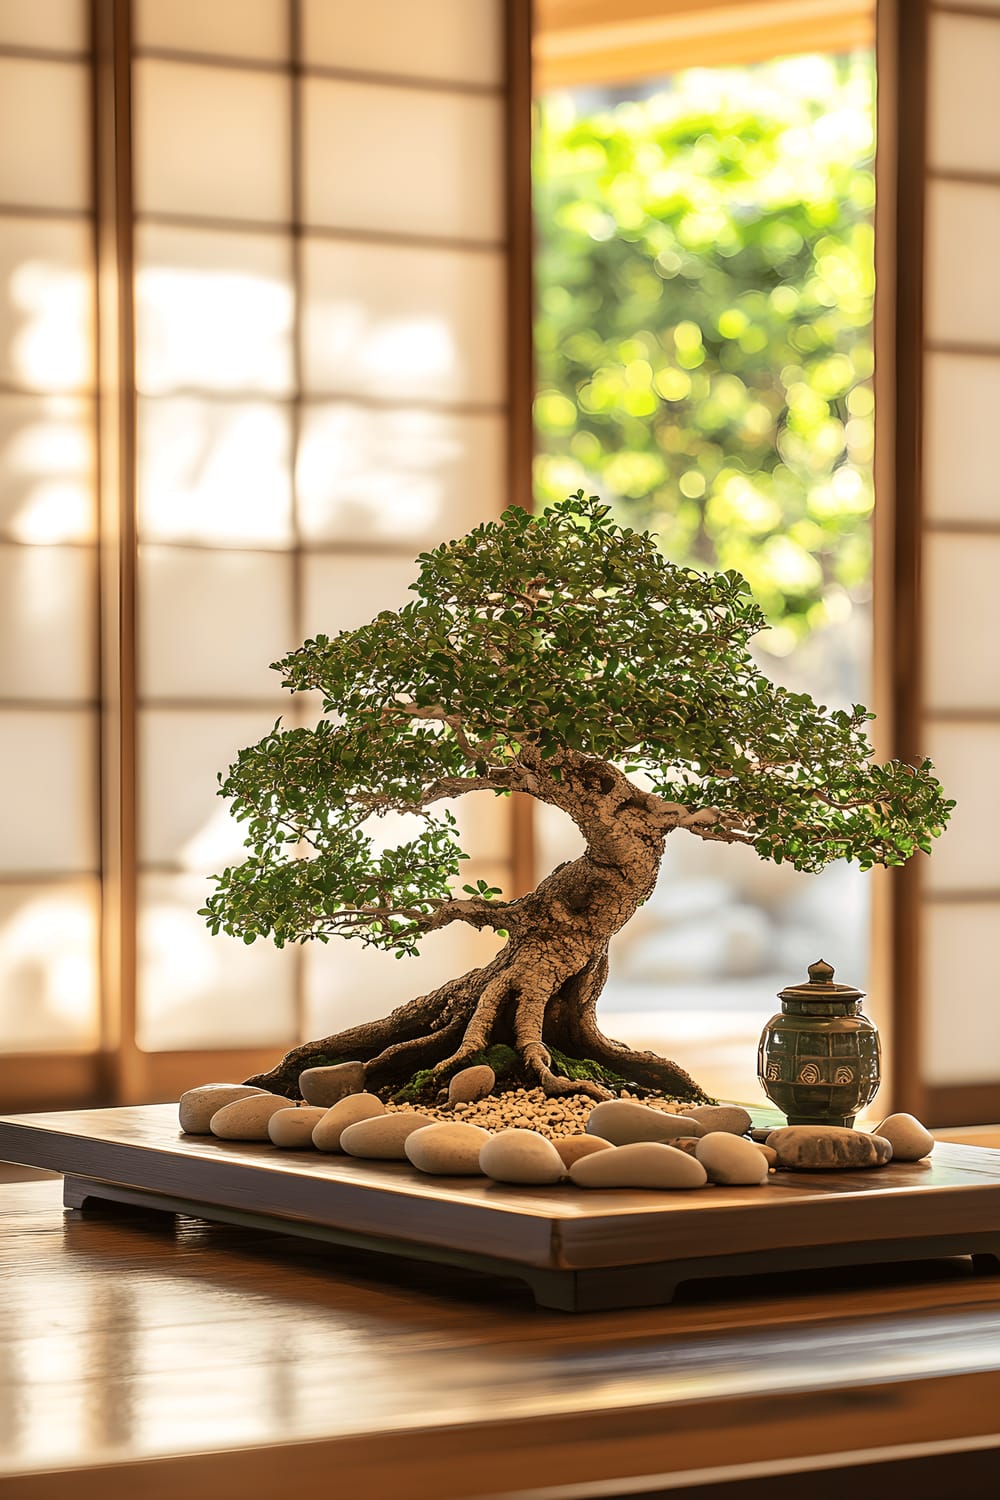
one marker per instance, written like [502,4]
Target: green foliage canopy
[704,333]
[531,641]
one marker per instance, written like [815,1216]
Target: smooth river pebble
[325,1086]
[293,1128]
[471,1084]
[624,1123]
[383,1137]
[816,1148]
[731,1160]
[732,1119]
[247,1119]
[910,1141]
[574,1146]
[521,1156]
[644,1164]
[347,1111]
[197,1106]
[447,1150]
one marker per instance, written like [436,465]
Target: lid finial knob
[820,972]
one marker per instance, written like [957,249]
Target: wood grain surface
[143,1355]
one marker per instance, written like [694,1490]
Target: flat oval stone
[197,1106]
[293,1128]
[760,1133]
[325,1086]
[347,1111]
[819,1148]
[730,1160]
[523,1156]
[447,1149]
[383,1137]
[624,1123]
[575,1146]
[471,1084]
[643,1164]
[910,1141]
[731,1119]
[768,1153]
[247,1119]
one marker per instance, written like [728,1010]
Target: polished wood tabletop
[147,1355]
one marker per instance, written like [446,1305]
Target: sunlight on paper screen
[214,472]
[48,966]
[47,608]
[46,312]
[213,311]
[47,466]
[196,990]
[405,475]
[48,765]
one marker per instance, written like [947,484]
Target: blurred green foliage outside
[704,342]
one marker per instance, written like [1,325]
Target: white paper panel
[212,141]
[346,983]
[214,311]
[961,441]
[48,608]
[46,304]
[51,25]
[964,102]
[182,820]
[341,593]
[225,28]
[196,990]
[430,163]
[963,250]
[967,856]
[47,463]
[453,39]
[962,615]
[403,323]
[48,966]
[44,134]
[214,472]
[961,1022]
[211,622]
[483,830]
[47,763]
[408,476]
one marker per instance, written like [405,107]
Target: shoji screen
[48,572]
[309,270]
[949,521]
[321,376]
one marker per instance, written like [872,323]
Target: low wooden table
[153,1356]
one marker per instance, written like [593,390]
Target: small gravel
[532,1109]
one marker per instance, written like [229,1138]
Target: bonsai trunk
[540,992]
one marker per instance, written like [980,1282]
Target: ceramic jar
[819,1059]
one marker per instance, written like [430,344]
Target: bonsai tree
[559,656]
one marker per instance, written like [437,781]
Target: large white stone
[731,1160]
[523,1156]
[347,1111]
[644,1164]
[293,1128]
[731,1118]
[624,1123]
[573,1147]
[247,1119]
[447,1149]
[820,1148]
[471,1084]
[910,1141]
[197,1106]
[383,1137]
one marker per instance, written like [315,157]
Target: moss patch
[581,1069]
[324,1060]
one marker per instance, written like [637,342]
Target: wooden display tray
[578,1250]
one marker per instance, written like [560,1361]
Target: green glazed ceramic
[819,1060]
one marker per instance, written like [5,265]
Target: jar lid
[821,986]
